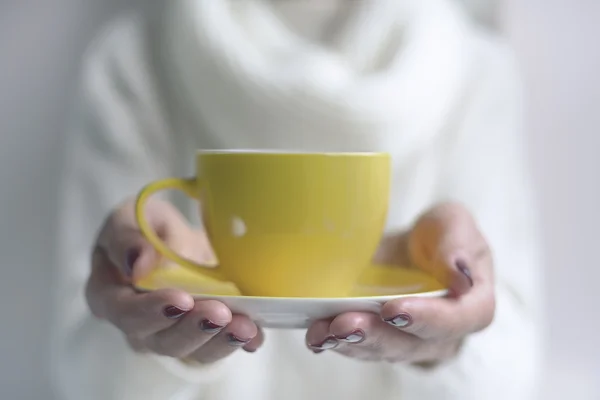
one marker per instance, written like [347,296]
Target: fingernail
[400,321]
[330,342]
[250,350]
[208,326]
[130,259]
[356,336]
[173,312]
[233,340]
[317,351]
[462,267]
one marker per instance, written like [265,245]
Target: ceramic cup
[284,224]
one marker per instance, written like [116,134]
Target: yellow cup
[284,224]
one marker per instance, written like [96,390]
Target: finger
[367,330]
[239,333]
[134,313]
[364,336]
[125,245]
[255,343]
[442,318]
[318,337]
[143,314]
[207,319]
[447,243]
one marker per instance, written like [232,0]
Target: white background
[41,43]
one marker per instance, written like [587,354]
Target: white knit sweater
[414,78]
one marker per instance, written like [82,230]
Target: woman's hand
[166,322]
[446,243]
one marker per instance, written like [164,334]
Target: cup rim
[291,152]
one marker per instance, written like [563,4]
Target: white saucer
[377,285]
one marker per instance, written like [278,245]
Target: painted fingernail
[400,321]
[233,340]
[208,326]
[130,259]
[356,336]
[462,267]
[330,342]
[173,312]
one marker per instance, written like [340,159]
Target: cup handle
[190,188]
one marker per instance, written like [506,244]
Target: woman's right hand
[167,322]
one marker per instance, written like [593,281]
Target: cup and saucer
[292,233]
[377,285]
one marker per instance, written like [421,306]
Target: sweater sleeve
[485,168]
[118,141]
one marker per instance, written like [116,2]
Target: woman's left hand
[447,243]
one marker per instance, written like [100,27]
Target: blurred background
[41,46]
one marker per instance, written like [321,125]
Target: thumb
[125,245]
[447,243]
[139,260]
[130,253]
